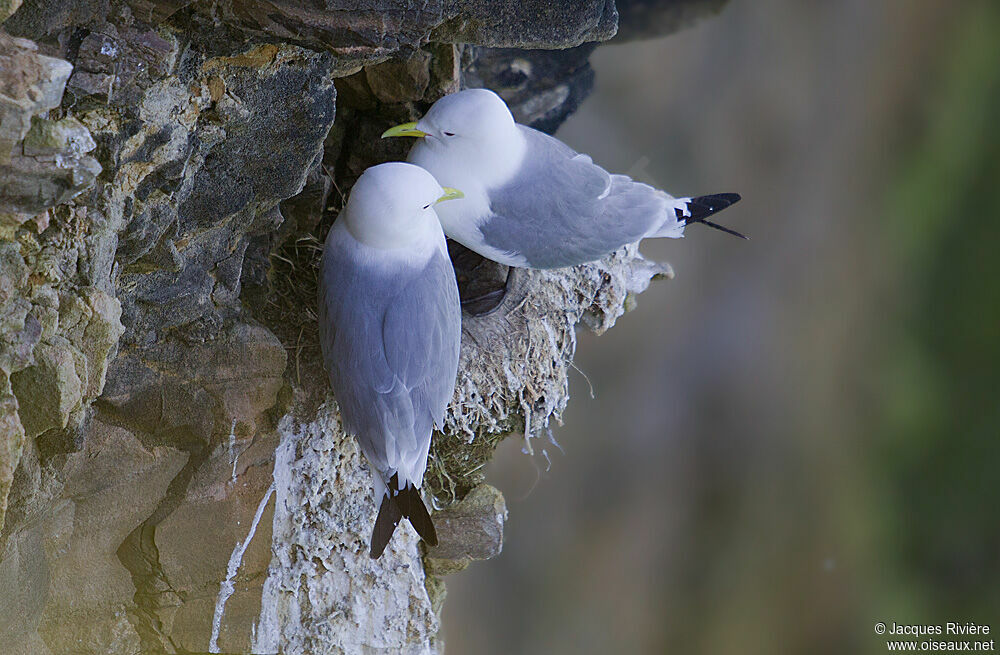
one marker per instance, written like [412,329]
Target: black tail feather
[388,518]
[700,208]
[396,505]
[413,508]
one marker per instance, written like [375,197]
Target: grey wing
[421,334]
[390,344]
[351,309]
[561,209]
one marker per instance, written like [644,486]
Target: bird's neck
[500,161]
[413,239]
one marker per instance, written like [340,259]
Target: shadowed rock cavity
[173,476]
[482,283]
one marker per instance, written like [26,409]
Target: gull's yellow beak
[450,194]
[406,129]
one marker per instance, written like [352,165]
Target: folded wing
[561,209]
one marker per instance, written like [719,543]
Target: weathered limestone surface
[173,477]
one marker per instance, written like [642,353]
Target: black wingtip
[725,198]
[388,518]
[396,505]
[704,206]
[413,508]
[700,208]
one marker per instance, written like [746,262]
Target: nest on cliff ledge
[514,367]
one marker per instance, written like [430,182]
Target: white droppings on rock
[323,593]
[228,586]
[233,455]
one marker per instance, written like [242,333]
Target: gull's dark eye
[427,206]
[448,133]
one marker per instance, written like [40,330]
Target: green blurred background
[799,436]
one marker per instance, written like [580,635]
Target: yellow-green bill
[406,129]
[450,194]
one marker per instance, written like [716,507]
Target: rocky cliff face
[173,477]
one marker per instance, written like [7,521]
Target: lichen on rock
[49,373]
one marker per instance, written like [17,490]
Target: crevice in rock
[139,555]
